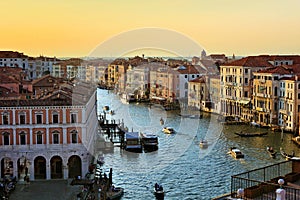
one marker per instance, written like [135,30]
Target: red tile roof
[198,80]
[190,69]
[12,54]
[262,60]
[4,79]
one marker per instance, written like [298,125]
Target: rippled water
[185,170]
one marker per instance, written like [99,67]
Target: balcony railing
[263,182]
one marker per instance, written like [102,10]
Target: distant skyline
[74,28]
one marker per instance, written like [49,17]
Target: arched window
[22,138]
[55,137]
[5,138]
[39,137]
[74,137]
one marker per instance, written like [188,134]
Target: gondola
[242,134]
[271,152]
[159,191]
[289,156]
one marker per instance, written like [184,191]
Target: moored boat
[245,134]
[236,153]
[114,193]
[149,140]
[132,142]
[168,130]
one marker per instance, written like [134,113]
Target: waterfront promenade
[46,190]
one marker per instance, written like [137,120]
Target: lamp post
[240,193]
[280,192]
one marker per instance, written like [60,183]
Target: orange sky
[76,27]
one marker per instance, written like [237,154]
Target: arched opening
[40,168]
[56,167]
[7,166]
[23,167]
[74,166]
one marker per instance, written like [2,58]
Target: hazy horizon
[75,28]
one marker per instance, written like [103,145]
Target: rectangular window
[22,119]
[55,118]
[39,119]
[246,81]
[246,71]
[5,119]
[73,118]
[55,138]
[39,139]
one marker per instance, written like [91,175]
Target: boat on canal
[203,144]
[246,134]
[168,130]
[132,142]
[162,122]
[114,193]
[236,153]
[159,191]
[149,140]
[271,152]
[289,156]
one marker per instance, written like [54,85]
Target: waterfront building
[289,103]
[198,93]
[51,136]
[214,94]
[138,81]
[236,82]
[269,94]
[164,84]
[116,73]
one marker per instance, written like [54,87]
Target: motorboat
[168,130]
[159,191]
[236,153]
[203,144]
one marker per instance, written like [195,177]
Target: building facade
[49,138]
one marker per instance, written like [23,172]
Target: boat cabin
[132,142]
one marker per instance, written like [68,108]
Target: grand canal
[185,170]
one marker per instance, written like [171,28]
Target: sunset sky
[76,27]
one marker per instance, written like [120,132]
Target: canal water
[185,170]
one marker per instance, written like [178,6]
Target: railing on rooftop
[262,183]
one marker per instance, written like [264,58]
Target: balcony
[262,183]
